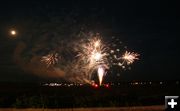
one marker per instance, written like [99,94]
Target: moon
[13,32]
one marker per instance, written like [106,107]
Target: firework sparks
[97,43]
[94,55]
[50,59]
[93,51]
[130,57]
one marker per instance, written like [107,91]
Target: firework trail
[101,72]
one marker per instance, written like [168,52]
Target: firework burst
[93,52]
[93,55]
[130,57]
[50,59]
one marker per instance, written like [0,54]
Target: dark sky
[148,27]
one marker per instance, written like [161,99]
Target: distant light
[107,85]
[96,86]
[81,84]
[112,84]
[136,83]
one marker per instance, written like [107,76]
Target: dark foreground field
[145,108]
[125,96]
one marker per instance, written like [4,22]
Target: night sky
[147,27]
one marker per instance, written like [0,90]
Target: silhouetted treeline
[36,96]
